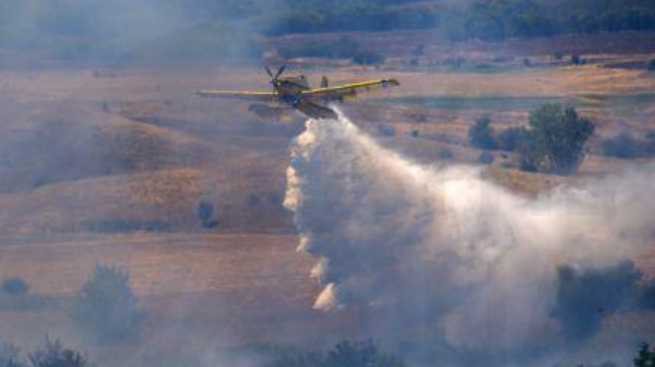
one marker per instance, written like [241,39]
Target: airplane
[294,93]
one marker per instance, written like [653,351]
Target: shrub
[10,356]
[386,130]
[54,354]
[360,354]
[481,134]
[344,47]
[585,297]
[577,60]
[206,215]
[15,286]
[344,354]
[446,154]
[368,57]
[509,139]
[651,65]
[106,309]
[486,158]
[554,141]
[622,146]
[645,357]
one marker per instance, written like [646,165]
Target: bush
[509,139]
[585,297]
[554,141]
[481,134]
[446,154]
[344,354]
[206,215]
[15,286]
[344,47]
[368,58]
[577,60]
[10,356]
[486,158]
[106,309]
[646,356]
[386,130]
[622,146]
[360,354]
[54,354]
[651,65]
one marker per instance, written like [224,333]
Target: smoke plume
[443,249]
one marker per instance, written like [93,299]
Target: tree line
[486,20]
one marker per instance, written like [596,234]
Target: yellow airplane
[291,93]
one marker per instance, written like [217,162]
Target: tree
[622,146]
[486,158]
[586,296]
[206,214]
[481,134]
[15,286]
[555,139]
[646,357]
[360,354]
[53,354]
[509,139]
[9,356]
[368,58]
[106,309]
[651,65]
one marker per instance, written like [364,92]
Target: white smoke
[467,259]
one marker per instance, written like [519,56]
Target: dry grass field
[87,152]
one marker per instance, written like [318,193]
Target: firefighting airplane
[294,92]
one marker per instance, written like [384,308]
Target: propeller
[275,78]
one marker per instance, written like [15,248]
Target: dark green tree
[15,286]
[555,139]
[646,357]
[481,134]
[106,309]
[10,356]
[53,354]
[360,354]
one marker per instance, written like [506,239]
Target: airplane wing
[246,96]
[348,90]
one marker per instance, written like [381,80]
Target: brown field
[86,151]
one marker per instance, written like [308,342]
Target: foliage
[651,65]
[386,130]
[53,354]
[555,140]
[625,146]
[509,139]
[646,357]
[106,309]
[621,146]
[10,356]
[585,297]
[360,354]
[344,354]
[368,57]
[15,286]
[486,158]
[206,214]
[313,17]
[446,154]
[481,134]
[344,47]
